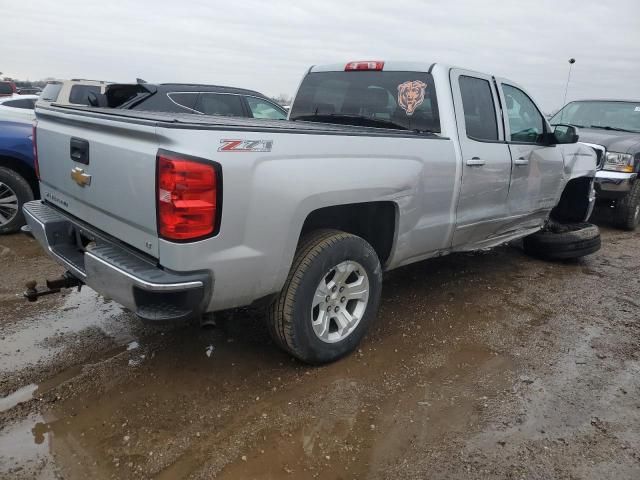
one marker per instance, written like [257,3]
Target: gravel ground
[485,365]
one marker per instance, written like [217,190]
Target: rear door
[486,161]
[537,173]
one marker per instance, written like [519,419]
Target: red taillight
[34,142]
[369,65]
[187,197]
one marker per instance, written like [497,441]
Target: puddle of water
[21,395]
[26,445]
[42,337]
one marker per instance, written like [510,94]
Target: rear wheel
[627,212]
[330,298]
[14,193]
[564,241]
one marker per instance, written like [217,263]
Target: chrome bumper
[115,271]
[614,184]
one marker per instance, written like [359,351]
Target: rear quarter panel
[267,197]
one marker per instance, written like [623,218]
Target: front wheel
[329,299]
[627,212]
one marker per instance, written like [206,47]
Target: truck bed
[210,122]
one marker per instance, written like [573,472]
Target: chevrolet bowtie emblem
[81,178]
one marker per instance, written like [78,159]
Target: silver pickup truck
[379,165]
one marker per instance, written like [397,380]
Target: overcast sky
[268,44]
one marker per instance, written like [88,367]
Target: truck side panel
[268,196]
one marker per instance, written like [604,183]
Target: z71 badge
[245,145]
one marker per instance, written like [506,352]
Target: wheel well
[19,167]
[373,221]
[574,202]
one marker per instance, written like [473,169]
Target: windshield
[598,114]
[400,100]
[51,91]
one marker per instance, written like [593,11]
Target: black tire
[290,317]
[562,242]
[22,190]
[626,215]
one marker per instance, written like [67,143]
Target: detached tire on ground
[330,297]
[627,211]
[14,193]
[562,242]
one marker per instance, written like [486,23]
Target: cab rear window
[6,88]
[400,100]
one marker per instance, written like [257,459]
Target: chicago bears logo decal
[411,95]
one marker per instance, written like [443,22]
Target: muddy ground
[485,365]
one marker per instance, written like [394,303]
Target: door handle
[475,162]
[521,161]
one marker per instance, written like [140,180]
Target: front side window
[379,99]
[262,109]
[479,110]
[80,94]
[219,104]
[525,121]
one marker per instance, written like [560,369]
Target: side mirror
[565,133]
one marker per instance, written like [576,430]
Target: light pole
[566,88]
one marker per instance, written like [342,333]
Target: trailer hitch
[66,280]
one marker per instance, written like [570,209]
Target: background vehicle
[188,98]
[18,107]
[29,91]
[18,182]
[386,164]
[71,92]
[612,128]
[7,88]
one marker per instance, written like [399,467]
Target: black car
[29,90]
[190,98]
[612,129]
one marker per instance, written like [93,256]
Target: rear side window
[26,103]
[479,110]
[263,109]
[187,100]
[80,93]
[6,88]
[403,100]
[51,91]
[220,104]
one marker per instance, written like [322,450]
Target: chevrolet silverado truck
[177,215]
[612,128]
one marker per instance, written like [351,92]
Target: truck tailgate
[101,171]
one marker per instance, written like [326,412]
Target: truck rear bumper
[115,271]
[613,185]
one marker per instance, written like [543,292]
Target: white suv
[71,92]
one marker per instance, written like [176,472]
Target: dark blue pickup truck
[18,181]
